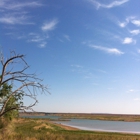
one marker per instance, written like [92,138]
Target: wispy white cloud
[19,12]
[39,39]
[13,12]
[130,19]
[42,44]
[128,40]
[122,24]
[127,20]
[135,32]
[25,4]
[36,39]
[47,26]
[110,5]
[136,22]
[138,50]
[107,50]
[15,19]
[77,66]
[10,5]
[67,37]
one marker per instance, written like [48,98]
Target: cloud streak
[16,13]
[18,5]
[39,39]
[42,44]
[13,12]
[128,20]
[136,22]
[110,5]
[77,66]
[135,32]
[67,37]
[15,19]
[107,50]
[122,24]
[48,26]
[128,40]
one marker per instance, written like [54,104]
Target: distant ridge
[55,113]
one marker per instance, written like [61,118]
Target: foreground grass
[42,129]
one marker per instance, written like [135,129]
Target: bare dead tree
[14,73]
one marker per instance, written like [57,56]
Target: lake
[98,125]
[108,126]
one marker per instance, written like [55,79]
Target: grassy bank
[42,129]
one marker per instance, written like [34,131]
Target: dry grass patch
[7,131]
[43,126]
[19,120]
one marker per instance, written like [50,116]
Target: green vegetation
[42,129]
[9,114]
[13,102]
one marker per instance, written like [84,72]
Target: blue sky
[87,51]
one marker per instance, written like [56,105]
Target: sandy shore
[65,126]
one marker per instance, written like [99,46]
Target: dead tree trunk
[27,85]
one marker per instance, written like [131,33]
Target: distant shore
[108,117]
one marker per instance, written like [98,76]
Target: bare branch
[29,84]
[12,108]
[16,72]
[6,63]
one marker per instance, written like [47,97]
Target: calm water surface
[98,125]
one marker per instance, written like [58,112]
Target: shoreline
[66,127]
[71,127]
